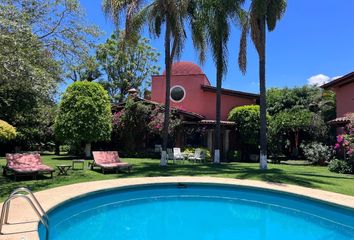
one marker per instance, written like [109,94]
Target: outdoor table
[63,169]
[78,161]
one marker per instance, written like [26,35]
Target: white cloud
[320,79]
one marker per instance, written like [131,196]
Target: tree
[59,25]
[138,120]
[87,69]
[39,39]
[29,76]
[7,131]
[317,100]
[247,119]
[294,125]
[130,124]
[172,14]
[211,26]
[262,14]
[247,123]
[84,115]
[126,64]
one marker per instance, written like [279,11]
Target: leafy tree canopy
[39,39]
[59,25]
[84,114]
[315,99]
[126,64]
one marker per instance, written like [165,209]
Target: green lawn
[307,176]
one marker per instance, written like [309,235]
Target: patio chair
[108,160]
[26,164]
[198,156]
[177,155]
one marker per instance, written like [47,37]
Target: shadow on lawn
[8,184]
[64,158]
[274,175]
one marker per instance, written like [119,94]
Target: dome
[185,68]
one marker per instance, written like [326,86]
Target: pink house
[192,92]
[344,89]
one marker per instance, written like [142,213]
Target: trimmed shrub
[247,119]
[7,131]
[317,153]
[84,114]
[340,166]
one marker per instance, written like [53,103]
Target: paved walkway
[23,222]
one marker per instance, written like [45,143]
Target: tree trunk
[57,149]
[88,150]
[168,65]
[218,112]
[295,152]
[263,103]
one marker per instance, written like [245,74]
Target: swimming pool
[198,212]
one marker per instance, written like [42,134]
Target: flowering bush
[345,141]
[157,119]
[137,121]
[317,152]
[345,147]
[340,166]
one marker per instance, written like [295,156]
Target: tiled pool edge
[52,197]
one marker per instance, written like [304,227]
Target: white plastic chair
[177,155]
[199,155]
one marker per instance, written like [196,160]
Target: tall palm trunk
[263,103]
[168,64]
[218,107]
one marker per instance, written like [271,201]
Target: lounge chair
[109,160]
[26,164]
[198,156]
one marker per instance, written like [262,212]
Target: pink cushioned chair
[26,164]
[109,160]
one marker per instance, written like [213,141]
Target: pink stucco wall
[345,99]
[197,100]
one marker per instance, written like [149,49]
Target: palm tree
[263,14]
[156,13]
[210,24]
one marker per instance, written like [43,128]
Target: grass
[307,176]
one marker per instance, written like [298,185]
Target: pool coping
[25,226]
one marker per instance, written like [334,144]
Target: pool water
[198,212]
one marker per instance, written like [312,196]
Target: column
[210,140]
[226,142]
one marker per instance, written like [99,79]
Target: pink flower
[339,138]
[337,146]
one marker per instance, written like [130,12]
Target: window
[177,93]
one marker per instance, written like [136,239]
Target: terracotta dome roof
[185,68]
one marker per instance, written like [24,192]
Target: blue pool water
[198,212]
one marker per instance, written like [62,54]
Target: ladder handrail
[26,190]
[42,215]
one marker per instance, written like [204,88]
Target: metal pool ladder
[33,202]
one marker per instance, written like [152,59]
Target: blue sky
[314,40]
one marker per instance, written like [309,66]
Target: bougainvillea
[138,120]
[345,141]
[157,118]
